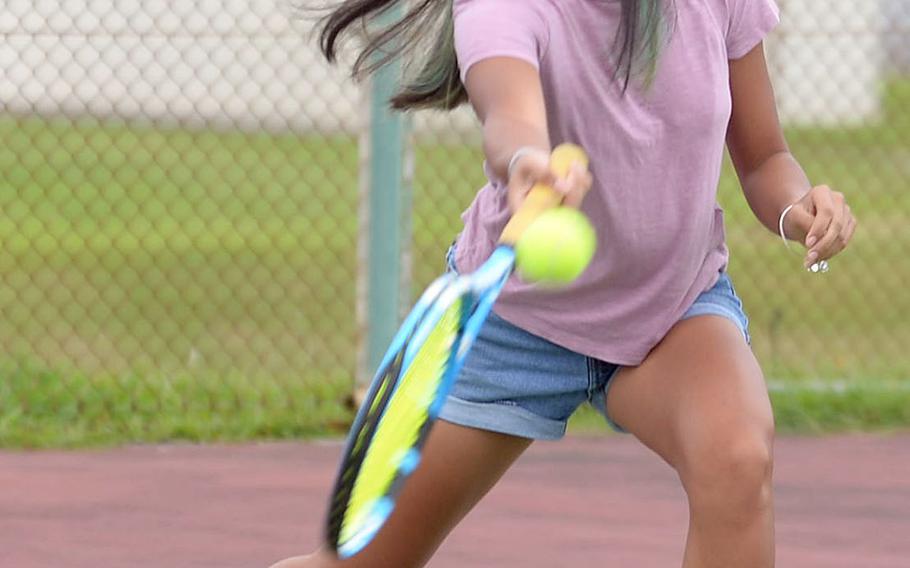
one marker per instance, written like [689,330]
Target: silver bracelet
[780,224]
[520,153]
[820,266]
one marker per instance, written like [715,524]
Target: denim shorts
[517,383]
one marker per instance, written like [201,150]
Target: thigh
[699,389]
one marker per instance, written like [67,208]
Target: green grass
[215,271]
[42,408]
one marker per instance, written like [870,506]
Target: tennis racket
[384,445]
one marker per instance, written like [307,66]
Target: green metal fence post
[385,224]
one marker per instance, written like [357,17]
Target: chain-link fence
[178,214]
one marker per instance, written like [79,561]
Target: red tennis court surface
[842,502]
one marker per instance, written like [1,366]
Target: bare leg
[459,466]
[700,402]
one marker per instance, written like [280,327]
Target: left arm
[770,176]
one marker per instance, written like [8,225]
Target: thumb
[798,222]
[531,171]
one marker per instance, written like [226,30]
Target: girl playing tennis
[652,333]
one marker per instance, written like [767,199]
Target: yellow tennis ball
[556,247]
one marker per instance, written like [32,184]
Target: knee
[731,475]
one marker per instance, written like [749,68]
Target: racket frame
[479,291]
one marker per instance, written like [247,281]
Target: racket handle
[541,197]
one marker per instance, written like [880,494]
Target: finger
[529,171]
[842,240]
[519,186]
[587,180]
[847,224]
[849,231]
[565,184]
[830,243]
[543,175]
[573,199]
[797,223]
[824,212]
[580,182]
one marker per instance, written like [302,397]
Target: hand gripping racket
[384,445]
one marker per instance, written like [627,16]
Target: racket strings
[401,427]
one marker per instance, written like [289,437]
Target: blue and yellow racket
[415,376]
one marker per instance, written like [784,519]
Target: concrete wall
[222,63]
[251,65]
[897,35]
[828,58]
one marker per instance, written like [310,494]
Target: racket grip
[541,197]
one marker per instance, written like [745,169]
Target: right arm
[507,96]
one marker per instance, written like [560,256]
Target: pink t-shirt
[655,156]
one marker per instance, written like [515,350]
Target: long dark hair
[426,28]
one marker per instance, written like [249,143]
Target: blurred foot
[308,561]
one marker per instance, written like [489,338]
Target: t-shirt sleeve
[749,22]
[498,28]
